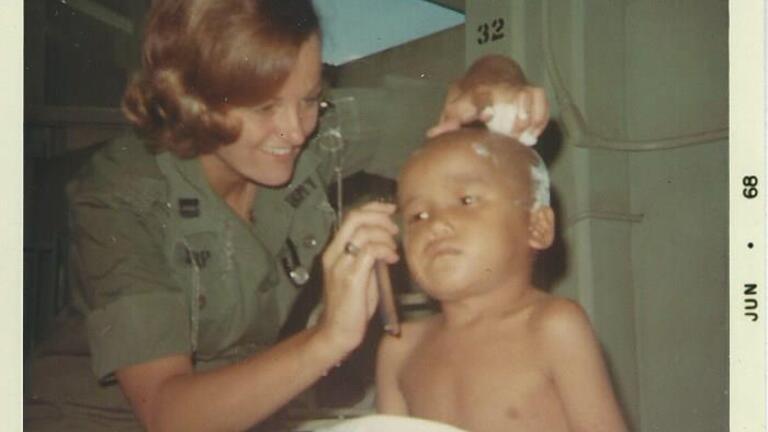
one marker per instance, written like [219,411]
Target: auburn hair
[202,57]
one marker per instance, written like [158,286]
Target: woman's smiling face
[274,132]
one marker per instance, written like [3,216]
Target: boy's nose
[439,224]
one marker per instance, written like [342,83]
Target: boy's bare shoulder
[559,318]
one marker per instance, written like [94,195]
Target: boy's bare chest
[484,379]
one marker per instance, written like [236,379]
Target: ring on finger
[351,249]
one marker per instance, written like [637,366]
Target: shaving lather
[502,119]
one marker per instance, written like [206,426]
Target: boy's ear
[541,228]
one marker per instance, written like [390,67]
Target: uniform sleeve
[386,124]
[135,312]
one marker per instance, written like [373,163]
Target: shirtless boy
[502,355]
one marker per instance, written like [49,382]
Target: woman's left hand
[469,104]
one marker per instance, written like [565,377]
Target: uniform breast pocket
[210,274]
[200,252]
[207,270]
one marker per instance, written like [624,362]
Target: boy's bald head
[512,160]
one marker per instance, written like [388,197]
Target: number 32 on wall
[489,32]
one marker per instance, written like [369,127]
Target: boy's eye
[419,216]
[325,105]
[468,200]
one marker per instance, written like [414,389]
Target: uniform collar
[274,208]
[203,207]
[192,171]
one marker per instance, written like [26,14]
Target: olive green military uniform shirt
[164,265]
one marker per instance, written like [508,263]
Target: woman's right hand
[350,291]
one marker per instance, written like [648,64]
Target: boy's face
[466,221]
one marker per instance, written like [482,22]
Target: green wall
[677,84]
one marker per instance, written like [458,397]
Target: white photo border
[747,277]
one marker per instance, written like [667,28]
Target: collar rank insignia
[297,196]
[189,207]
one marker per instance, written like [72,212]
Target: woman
[181,249]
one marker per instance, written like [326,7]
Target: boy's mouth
[439,248]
